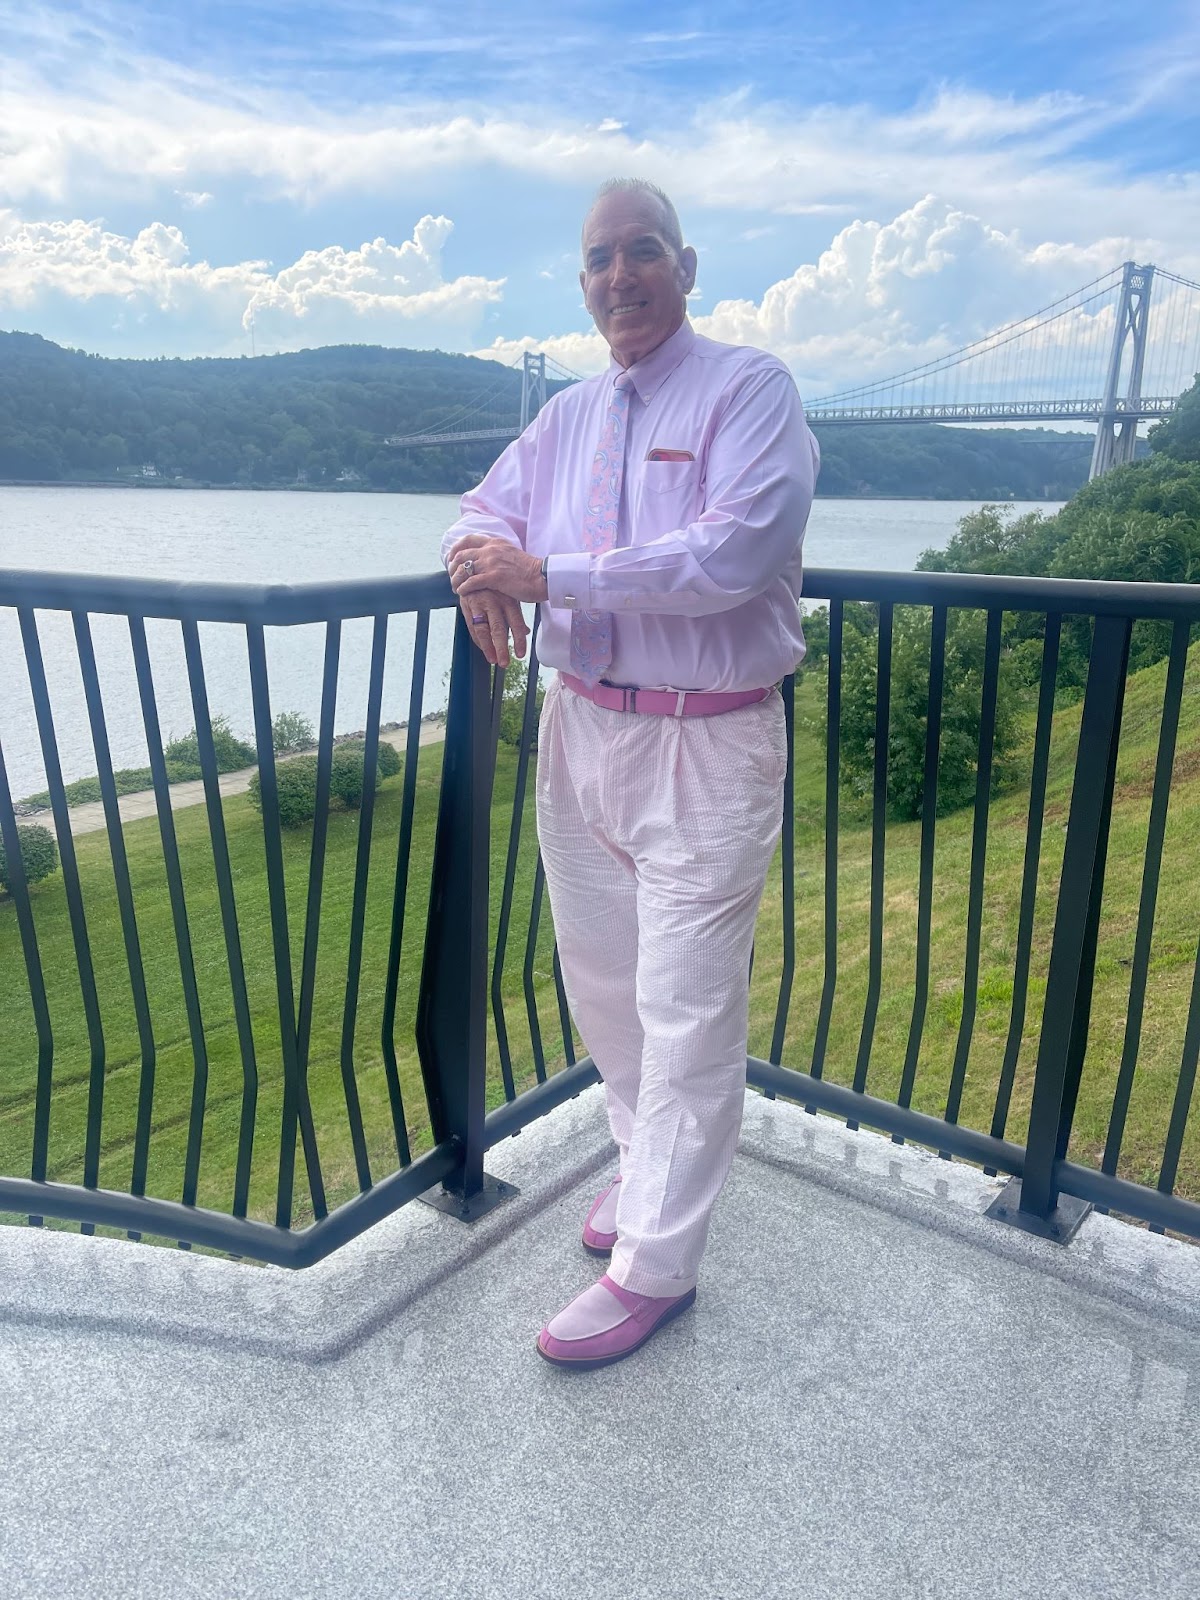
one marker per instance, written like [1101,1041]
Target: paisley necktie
[591,631]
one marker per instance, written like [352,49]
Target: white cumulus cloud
[382,287]
[885,296]
[379,293]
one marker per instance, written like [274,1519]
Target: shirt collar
[650,373]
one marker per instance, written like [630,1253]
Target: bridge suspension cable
[996,340]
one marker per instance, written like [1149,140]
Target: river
[286,537]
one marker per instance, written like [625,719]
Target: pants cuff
[637,1281]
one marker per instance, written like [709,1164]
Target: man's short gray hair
[671,229]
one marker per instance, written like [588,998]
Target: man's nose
[621,270]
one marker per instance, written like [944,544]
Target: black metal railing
[206,1008]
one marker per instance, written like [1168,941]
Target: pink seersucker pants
[656,834]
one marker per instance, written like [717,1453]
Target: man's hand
[496,565]
[499,615]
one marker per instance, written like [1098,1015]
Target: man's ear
[687,268]
[583,285]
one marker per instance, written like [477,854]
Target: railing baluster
[531,939]
[1073,951]
[358,908]
[1029,879]
[316,885]
[229,924]
[18,888]
[174,875]
[983,801]
[528,717]
[929,796]
[788,876]
[412,744]
[833,738]
[73,889]
[125,908]
[1181,1105]
[883,695]
[294,1107]
[564,1011]
[1164,766]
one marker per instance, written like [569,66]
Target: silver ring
[478,619]
[468,566]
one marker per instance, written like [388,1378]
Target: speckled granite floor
[879,1392]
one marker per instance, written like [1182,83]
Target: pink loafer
[606,1323]
[597,1241]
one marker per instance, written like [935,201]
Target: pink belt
[663,702]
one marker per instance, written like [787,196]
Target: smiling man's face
[633,281]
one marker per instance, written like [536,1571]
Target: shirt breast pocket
[671,477]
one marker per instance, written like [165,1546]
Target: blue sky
[868,185]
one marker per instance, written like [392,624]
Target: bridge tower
[533,387]
[1116,433]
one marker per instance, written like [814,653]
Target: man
[656,514]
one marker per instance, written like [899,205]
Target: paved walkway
[89,818]
[880,1393]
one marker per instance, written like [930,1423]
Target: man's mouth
[628,308]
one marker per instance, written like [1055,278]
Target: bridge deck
[879,1392]
[1090,411]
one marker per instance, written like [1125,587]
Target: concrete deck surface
[879,1392]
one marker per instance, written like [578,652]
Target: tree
[1178,436]
[231,752]
[39,854]
[962,699]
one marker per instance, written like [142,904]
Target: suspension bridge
[1096,355]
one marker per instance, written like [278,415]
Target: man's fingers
[515,618]
[498,624]
[481,633]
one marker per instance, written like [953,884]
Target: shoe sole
[592,1362]
[598,1249]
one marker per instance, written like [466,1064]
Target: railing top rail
[1070,596]
[271,604]
[289,604]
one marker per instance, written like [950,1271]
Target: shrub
[296,780]
[290,731]
[39,854]
[389,760]
[232,753]
[346,774]
[296,783]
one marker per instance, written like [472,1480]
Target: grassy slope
[1174,952]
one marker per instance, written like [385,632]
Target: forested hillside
[320,418]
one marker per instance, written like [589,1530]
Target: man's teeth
[618,311]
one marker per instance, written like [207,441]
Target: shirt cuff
[569,581]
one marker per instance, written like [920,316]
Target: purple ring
[475,618]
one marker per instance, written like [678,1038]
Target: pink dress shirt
[704,580]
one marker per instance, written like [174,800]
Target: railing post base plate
[469,1207]
[1060,1227]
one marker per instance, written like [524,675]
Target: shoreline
[141,803]
[314,488]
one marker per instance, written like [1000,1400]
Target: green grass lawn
[1174,952]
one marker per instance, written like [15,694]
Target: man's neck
[646,354]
